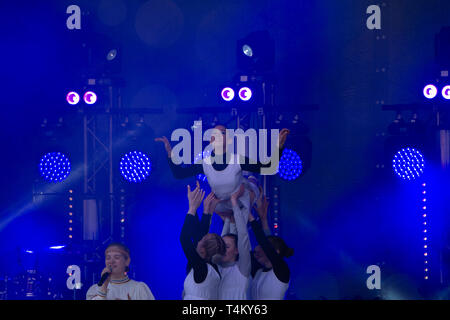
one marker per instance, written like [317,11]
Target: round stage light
[247,50]
[245,94]
[430,91]
[408,163]
[90,97]
[73,98]
[135,166]
[446,92]
[111,55]
[291,166]
[227,94]
[54,167]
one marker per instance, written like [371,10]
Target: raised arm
[280,267]
[229,225]
[226,227]
[209,204]
[178,171]
[241,218]
[262,208]
[187,235]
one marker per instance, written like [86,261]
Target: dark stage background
[341,216]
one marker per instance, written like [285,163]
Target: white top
[234,284]
[207,290]
[125,289]
[235,278]
[223,183]
[266,286]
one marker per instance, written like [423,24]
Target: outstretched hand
[235,196]
[250,217]
[283,136]
[167,146]
[195,198]
[262,206]
[210,203]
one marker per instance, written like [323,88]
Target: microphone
[103,278]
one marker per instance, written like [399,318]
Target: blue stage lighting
[291,165]
[430,91]
[57,247]
[197,160]
[408,163]
[135,166]
[54,167]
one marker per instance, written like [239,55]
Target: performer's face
[261,257]
[116,260]
[218,137]
[231,249]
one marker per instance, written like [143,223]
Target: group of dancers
[220,267]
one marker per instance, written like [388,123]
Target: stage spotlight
[103,56]
[408,163]
[247,50]
[57,247]
[111,55]
[73,98]
[135,166]
[430,91]
[54,167]
[256,52]
[90,97]
[245,93]
[227,94]
[291,165]
[446,92]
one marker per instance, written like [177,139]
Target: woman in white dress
[271,276]
[223,169]
[235,265]
[203,276]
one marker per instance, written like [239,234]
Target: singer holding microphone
[114,283]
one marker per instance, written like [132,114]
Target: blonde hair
[122,248]
[214,245]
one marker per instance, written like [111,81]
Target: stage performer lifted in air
[224,169]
